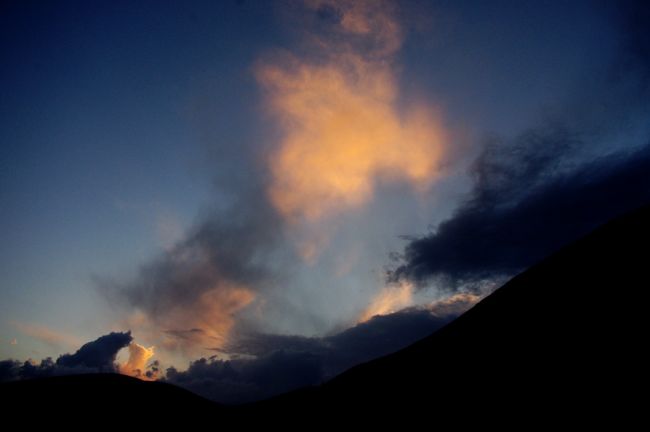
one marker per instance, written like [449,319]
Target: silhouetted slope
[105,399]
[561,342]
[564,337]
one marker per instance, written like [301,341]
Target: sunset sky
[242,178]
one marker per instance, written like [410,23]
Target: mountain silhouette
[563,341]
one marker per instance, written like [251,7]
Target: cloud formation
[337,108]
[267,364]
[93,357]
[99,354]
[136,365]
[543,189]
[389,300]
[341,132]
[188,297]
[11,370]
[47,335]
[525,206]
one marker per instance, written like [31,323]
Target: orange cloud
[342,130]
[136,365]
[395,298]
[391,299]
[191,329]
[215,312]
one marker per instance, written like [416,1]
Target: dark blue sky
[123,124]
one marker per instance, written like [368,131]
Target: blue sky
[122,124]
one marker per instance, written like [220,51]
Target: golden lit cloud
[215,312]
[395,298]
[136,365]
[391,299]
[191,329]
[342,130]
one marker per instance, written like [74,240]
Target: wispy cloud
[54,338]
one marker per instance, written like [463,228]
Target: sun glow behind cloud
[136,365]
[206,323]
[389,300]
[397,297]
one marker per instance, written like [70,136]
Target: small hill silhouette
[562,341]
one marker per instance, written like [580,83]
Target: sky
[237,190]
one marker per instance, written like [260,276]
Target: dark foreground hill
[564,338]
[561,341]
[109,399]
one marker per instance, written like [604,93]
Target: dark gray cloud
[9,370]
[553,183]
[47,367]
[95,356]
[267,364]
[185,334]
[234,381]
[524,207]
[99,354]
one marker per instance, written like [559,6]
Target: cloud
[341,133]
[189,334]
[273,364]
[553,183]
[524,206]
[9,370]
[99,354]
[236,381]
[136,365]
[337,109]
[47,335]
[202,282]
[389,300]
[93,357]
[30,369]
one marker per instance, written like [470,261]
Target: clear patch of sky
[497,66]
